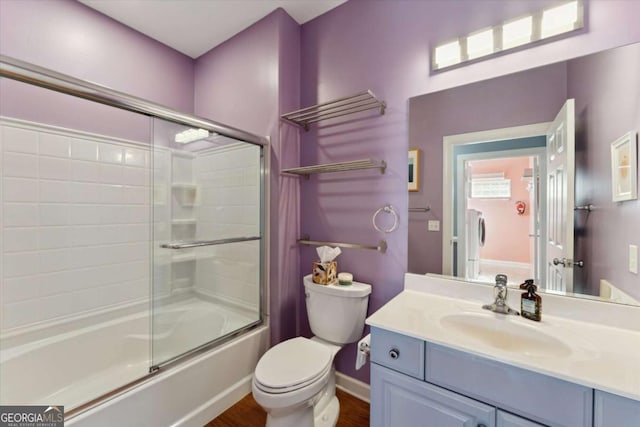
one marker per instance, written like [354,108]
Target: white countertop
[604,343]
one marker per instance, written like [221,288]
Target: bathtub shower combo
[132,238]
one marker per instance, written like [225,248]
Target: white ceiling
[195,26]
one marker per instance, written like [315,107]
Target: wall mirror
[518,171]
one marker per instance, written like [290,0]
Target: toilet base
[300,417]
[329,416]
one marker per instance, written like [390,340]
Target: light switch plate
[633,259]
[433,225]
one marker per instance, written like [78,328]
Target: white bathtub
[74,367]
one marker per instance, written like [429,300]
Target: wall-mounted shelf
[381,247]
[337,167]
[361,101]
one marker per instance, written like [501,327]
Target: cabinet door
[541,398]
[400,401]
[611,410]
[506,419]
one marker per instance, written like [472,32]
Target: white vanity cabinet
[418,383]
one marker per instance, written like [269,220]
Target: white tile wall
[229,185]
[75,223]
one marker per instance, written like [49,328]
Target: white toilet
[295,380]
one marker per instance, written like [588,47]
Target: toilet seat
[292,365]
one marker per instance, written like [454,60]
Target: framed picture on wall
[624,168]
[414,169]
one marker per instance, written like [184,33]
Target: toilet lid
[292,362]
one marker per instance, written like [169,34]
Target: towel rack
[381,247]
[427,209]
[199,243]
[337,167]
[361,101]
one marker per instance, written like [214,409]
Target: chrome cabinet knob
[394,353]
[482,425]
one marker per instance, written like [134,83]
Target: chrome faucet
[500,293]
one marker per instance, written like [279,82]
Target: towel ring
[390,210]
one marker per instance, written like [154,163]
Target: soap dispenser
[530,302]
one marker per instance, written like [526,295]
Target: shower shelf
[184,257]
[187,221]
[337,167]
[361,101]
[186,193]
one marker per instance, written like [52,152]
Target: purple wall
[248,82]
[524,98]
[384,46]
[607,92]
[70,38]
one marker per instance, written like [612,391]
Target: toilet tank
[337,313]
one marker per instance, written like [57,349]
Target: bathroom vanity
[439,360]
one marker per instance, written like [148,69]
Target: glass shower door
[75,247]
[207,250]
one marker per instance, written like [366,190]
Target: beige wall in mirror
[519,171]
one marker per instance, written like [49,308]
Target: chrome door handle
[568,263]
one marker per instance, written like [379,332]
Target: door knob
[562,262]
[567,262]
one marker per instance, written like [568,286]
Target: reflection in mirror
[518,169]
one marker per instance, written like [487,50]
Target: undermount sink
[506,333]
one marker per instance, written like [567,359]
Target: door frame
[449,142]
[541,154]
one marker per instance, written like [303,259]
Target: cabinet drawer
[398,352]
[612,410]
[506,419]
[400,401]
[541,398]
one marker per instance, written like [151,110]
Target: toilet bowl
[291,379]
[294,381]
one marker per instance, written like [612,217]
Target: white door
[560,199]
[464,192]
[536,216]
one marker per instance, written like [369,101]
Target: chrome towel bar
[382,245]
[199,243]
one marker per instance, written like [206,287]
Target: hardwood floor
[247,413]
